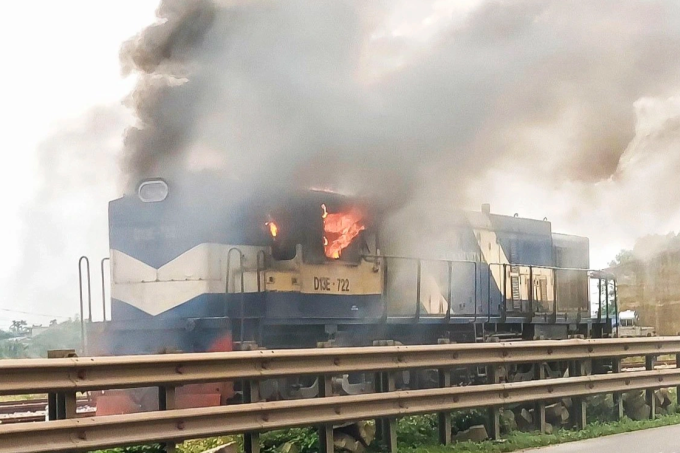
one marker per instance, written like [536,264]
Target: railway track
[32,405]
[633,365]
[34,410]
[38,417]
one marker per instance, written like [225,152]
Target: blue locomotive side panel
[159,253]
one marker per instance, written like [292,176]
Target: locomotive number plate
[332,285]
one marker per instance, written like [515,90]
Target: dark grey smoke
[309,94]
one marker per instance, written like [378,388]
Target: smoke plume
[66,217]
[410,100]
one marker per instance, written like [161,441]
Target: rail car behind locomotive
[199,266]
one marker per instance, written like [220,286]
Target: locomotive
[200,265]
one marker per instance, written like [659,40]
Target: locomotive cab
[260,262]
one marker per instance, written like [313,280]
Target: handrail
[242,304]
[443,260]
[86,260]
[419,263]
[104,260]
[261,269]
[591,273]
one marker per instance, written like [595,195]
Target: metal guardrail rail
[101,373]
[67,376]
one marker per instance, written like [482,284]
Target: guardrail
[65,377]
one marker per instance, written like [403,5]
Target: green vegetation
[419,435]
[519,441]
[22,341]
[624,256]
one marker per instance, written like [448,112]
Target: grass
[519,441]
[418,435]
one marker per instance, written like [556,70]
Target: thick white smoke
[639,198]
[67,215]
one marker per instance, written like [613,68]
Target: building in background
[651,288]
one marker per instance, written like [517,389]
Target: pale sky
[60,59]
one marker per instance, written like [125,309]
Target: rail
[509,288]
[67,376]
[86,260]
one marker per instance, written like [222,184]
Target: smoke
[412,100]
[639,197]
[66,216]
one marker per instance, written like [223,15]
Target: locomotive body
[212,269]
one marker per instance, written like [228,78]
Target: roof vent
[486,208]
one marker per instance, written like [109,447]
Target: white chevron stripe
[490,247]
[155,298]
[493,254]
[201,270]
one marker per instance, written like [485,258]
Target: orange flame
[273,228]
[341,228]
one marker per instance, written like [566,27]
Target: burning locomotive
[221,269]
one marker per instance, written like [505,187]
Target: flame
[273,228]
[341,228]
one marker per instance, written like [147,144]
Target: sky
[62,95]
[60,61]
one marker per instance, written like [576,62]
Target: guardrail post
[617,396]
[166,402]
[650,361]
[51,406]
[251,394]
[576,369]
[494,429]
[326,444]
[386,428]
[67,406]
[444,418]
[539,412]
[677,389]
[61,405]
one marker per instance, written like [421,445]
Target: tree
[65,335]
[19,327]
[12,349]
[53,323]
[624,256]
